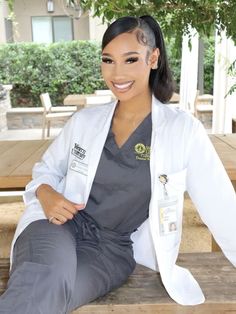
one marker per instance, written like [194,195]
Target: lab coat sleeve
[212,192]
[53,166]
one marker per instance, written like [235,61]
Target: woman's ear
[154,58]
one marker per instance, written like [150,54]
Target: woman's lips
[123,86]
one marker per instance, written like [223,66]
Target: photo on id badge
[167,207]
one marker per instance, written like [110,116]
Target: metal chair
[48,115]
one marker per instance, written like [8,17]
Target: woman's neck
[136,107]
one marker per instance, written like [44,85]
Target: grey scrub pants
[59,268]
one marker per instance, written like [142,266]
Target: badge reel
[167,210]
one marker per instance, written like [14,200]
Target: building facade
[47,21]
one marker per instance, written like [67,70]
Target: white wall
[3,15]
[223,107]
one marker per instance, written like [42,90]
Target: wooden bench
[144,293]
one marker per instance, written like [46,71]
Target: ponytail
[160,80]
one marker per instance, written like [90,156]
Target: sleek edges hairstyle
[148,33]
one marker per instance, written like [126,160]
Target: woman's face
[126,66]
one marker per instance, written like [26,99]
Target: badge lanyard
[167,206]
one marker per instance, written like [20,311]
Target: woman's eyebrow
[124,54]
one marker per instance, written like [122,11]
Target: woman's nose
[119,70]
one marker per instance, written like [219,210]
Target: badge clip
[164,180]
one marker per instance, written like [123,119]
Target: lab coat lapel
[97,144]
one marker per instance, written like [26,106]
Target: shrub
[70,68]
[59,68]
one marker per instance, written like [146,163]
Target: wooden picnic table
[80,99]
[144,293]
[76,99]
[225,146]
[18,157]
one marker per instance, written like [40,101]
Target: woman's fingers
[62,214]
[70,207]
[79,206]
[56,205]
[55,221]
[60,217]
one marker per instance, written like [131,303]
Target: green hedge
[59,68]
[69,68]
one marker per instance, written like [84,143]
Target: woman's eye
[107,60]
[132,60]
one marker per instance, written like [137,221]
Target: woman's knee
[46,244]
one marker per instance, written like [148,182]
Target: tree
[174,16]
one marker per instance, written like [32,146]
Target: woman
[114,173]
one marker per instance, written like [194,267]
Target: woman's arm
[212,192]
[48,173]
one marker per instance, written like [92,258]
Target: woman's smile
[122,86]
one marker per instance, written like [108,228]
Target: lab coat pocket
[75,185]
[171,189]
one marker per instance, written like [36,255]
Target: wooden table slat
[225,146]
[18,157]
[144,293]
[17,161]
[18,153]
[4,146]
[227,138]
[23,170]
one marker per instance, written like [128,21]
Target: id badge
[167,207]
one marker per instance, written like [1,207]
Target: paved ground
[27,134]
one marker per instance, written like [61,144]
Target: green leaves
[174,16]
[60,69]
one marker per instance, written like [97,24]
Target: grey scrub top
[121,191]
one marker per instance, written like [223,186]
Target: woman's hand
[56,207]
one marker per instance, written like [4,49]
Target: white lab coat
[181,149]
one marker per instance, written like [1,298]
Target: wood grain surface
[144,292]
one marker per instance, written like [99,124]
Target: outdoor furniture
[203,104]
[103,92]
[48,115]
[17,159]
[144,293]
[97,100]
[80,100]
[174,99]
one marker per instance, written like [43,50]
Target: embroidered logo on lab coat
[78,151]
[142,151]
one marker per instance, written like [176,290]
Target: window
[48,29]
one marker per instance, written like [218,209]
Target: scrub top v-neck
[121,191]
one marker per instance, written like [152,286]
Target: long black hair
[148,33]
